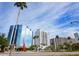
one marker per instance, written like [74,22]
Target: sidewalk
[29,53]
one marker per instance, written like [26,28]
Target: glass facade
[20,35]
[26,37]
[10,34]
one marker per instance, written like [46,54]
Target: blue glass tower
[18,33]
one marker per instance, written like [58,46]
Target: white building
[42,39]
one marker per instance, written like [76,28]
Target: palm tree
[57,36]
[36,37]
[21,6]
[55,41]
[69,38]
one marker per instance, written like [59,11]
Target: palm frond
[22,5]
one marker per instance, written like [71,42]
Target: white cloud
[40,15]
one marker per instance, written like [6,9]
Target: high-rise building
[14,33]
[42,39]
[76,36]
[20,35]
[52,41]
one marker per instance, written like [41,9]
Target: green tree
[60,47]
[50,48]
[67,46]
[36,37]
[3,42]
[75,47]
[33,47]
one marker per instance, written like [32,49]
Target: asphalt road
[39,53]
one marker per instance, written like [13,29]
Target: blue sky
[51,17]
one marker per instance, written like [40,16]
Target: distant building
[20,35]
[42,39]
[61,41]
[52,41]
[76,36]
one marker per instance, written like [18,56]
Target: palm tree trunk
[15,31]
[18,16]
[16,24]
[55,44]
